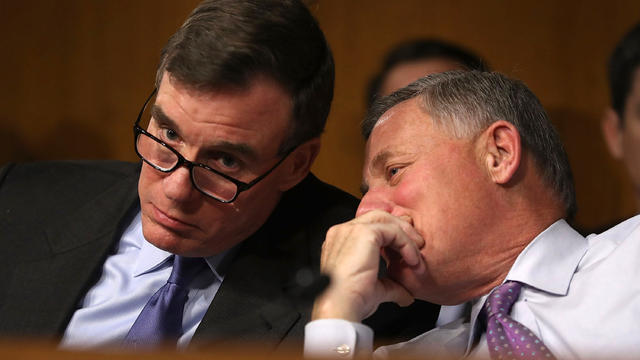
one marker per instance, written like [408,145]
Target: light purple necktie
[507,338]
[161,318]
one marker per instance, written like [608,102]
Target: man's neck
[505,239]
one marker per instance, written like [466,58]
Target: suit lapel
[253,302]
[260,299]
[257,300]
[48,289]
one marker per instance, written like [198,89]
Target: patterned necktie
[507,338]
[161,318]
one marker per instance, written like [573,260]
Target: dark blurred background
[74,74]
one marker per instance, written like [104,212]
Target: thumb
[394,292]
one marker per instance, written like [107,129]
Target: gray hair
[465,103]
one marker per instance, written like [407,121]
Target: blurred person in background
[621,121]
[411,60]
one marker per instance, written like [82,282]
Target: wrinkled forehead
[385,117]
[403,125]
[407,113]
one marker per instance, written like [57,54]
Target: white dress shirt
[581,297]
[449,313]
[129,278]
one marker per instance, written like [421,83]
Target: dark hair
[227,43]
[464,103]
[423,49]
[624,61]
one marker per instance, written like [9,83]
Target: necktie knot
[502,298]
[506,337]
[161,318]
[185,270]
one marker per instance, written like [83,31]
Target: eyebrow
[377,162]
[380,159]
[212,149]
[232,148]
[161,117]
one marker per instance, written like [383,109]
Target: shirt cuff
[337,338]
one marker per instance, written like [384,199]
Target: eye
[224,162]
[393,173]
[169,134]
[228,161]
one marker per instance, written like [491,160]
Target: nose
[177,185]
[374,199]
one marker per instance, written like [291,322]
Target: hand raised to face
[351,257]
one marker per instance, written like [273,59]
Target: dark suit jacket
[60,221]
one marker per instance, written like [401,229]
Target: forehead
[405,125]
[261,110]
[403,134]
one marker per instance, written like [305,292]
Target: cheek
[148,178]
[404,194]
[441,201]
[257,202]
[424,191]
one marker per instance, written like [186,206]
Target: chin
[163,242]
[162,238]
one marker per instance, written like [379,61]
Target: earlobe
[503,151]
[612,132]
[299,162]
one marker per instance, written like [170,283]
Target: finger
[392,236]
[394,292]
[395,261]
[405,222]
[387,257]
[327,245]
[391,256]
[351,251]
[378,227]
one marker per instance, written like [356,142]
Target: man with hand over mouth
[466,191]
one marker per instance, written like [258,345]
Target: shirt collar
[547,263]
[550,260]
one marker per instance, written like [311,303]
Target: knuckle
[332,232]
[324,246]
[332,229]
[380,216]
[360,230]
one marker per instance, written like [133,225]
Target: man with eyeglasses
[216,235]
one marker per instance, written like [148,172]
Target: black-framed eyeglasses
[208,181]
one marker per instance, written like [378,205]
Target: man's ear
[298,163]
[612,132]
[502,151]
